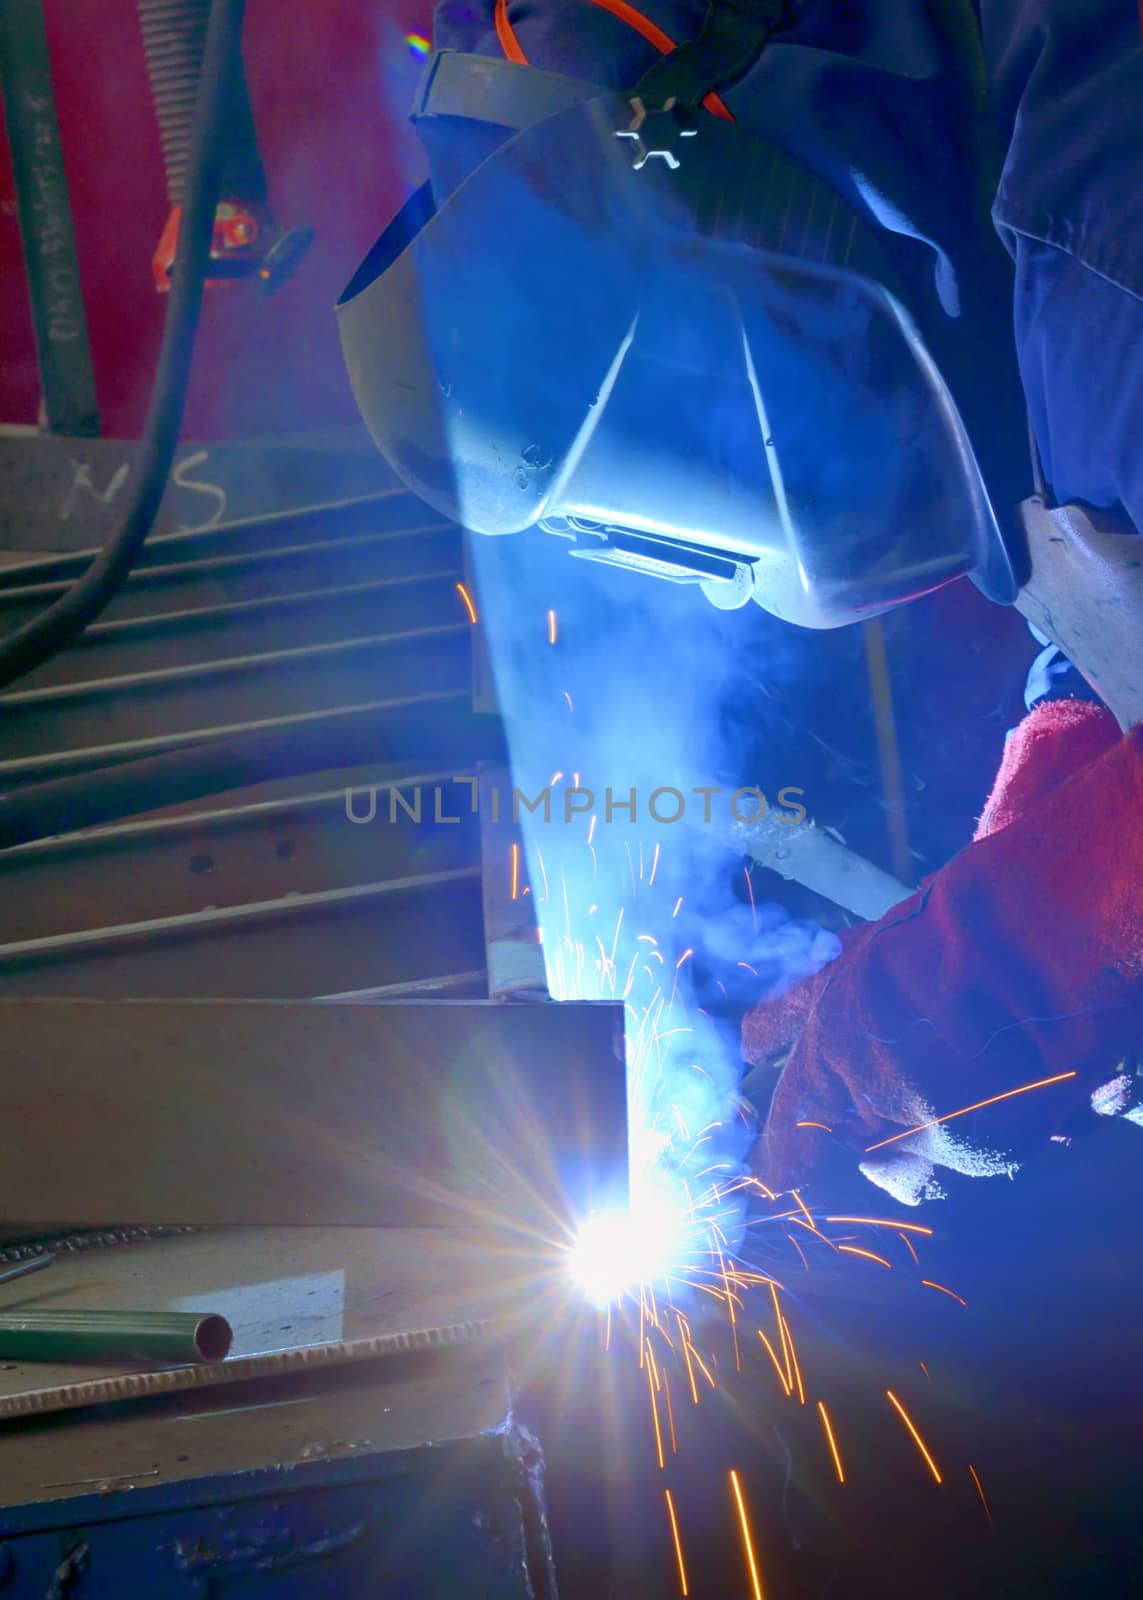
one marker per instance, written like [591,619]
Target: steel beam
[296,946]
[167,702]
[254,850]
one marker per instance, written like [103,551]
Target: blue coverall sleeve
[1066,81]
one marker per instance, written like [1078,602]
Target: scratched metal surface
[405,1477]
[301,1417]
[296,1298]
[60,495]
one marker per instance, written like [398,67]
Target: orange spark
[678,1543]
[703,1368]
[799,1249]
[833,1450]
[515,871]
[908,1243]
[925,1370]
[824,1129]
[670,1412]
[553,631]
[750,892]
[655,1414]
[884,1222]
[929,1284]
[777,1364]
[802,1208]
[980,1492]
[1041,1083]
[467,598]
[920,1443]
[855,1250]
[782,1336]
[794,1361]
[690,1369]
[746,1540]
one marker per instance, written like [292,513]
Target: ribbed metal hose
[174,39]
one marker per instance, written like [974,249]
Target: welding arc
[28,647]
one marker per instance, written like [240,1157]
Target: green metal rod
[174,1337]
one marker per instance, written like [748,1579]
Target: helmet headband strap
[733,35]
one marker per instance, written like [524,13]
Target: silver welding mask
[666,341]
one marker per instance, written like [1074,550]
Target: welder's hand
[1020,961]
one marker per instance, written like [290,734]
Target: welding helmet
[666,341]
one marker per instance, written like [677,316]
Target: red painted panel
[331,82]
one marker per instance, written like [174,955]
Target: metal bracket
[655,132]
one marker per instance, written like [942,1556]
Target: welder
[823,306]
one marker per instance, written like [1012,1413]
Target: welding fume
[825,310]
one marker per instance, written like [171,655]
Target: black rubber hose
[434,736]
[56,627]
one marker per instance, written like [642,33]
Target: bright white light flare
[617,1251]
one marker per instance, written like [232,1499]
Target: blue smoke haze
[642,689]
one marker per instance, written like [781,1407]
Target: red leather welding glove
[1021,960]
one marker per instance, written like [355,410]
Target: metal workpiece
[192,575]
[404,1476]
[240,658]
[809,855]
[330,832]
[508,1119]
[198,633]
[397,931]
[511,934]
[310,620]
[256,558]
[302,523]
[175,1337]
[293,1298]
[23,1269]
[165,704]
